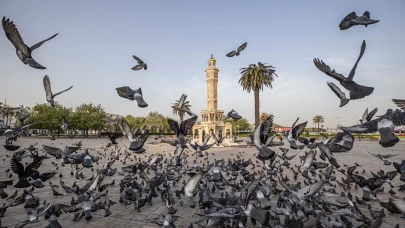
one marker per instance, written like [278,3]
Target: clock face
[216,74]
[208,74]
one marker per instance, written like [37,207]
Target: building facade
[212,118]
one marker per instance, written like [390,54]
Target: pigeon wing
[32,63]
[399,103]
[242,47]
[328,71]
[347,21]
[137,67]
[127,129]
[297,130]
[231,54]
[336,90]
[364,117]
[187,124]
[17,167]
[47,86]
[125,92]
[13,35]
[368,127]
[173,125]
[371,114]
[140,62]
[353,71]
[33,166]
[309,190]
[56,152]
[267,125]
[42,42]
[56,94]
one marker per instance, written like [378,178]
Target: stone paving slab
[127,217]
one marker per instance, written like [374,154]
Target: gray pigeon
[237,52]
[22,50]
[141,64]
[180,102]
[356,91]
[127,93]
[48,90]
[384,124]
[136,142]
[233,114]
[352,19]
[368,116]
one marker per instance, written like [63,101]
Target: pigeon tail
[22,183]
[191,201]
[388,138]
[344,102]
[358,91]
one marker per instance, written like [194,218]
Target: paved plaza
[127,217]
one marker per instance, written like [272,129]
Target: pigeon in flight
[182,130]
[22,50]
[295,132]
[64,125]
[141,64]
[368,116]
[234,115]
[356,91]
[352,19]
[339,93]
[127,93]
[384,124]
[180,103]
[48,90]
[136,142]
[399,103]
[237,52]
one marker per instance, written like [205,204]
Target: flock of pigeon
[231,193]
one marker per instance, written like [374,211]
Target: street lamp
[338,118]
[238,129]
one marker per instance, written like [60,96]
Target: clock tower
[211,77]
[212,118]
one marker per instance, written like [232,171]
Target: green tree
[8,113]
[254,79]
[89,117]
[241,124]
[51,117]
[134,122]
[155,120]
[318,119]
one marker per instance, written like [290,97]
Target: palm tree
[186,106]
[318,119]
[254,78]
[264,116]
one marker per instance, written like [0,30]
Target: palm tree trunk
[318,126]
[257,107]
[181,114]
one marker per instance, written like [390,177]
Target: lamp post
[238,129]
[338,118]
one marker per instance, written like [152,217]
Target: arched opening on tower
[211,131]
[219,134]
[195,133]
[203,135]
[228,133]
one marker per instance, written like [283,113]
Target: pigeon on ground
[127,93]
[48,90]
[356,91]
[141,64]
[23,51]
[234,115]
[237,52]
[339,93]
[352,19]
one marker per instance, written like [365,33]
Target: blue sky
[175,38]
